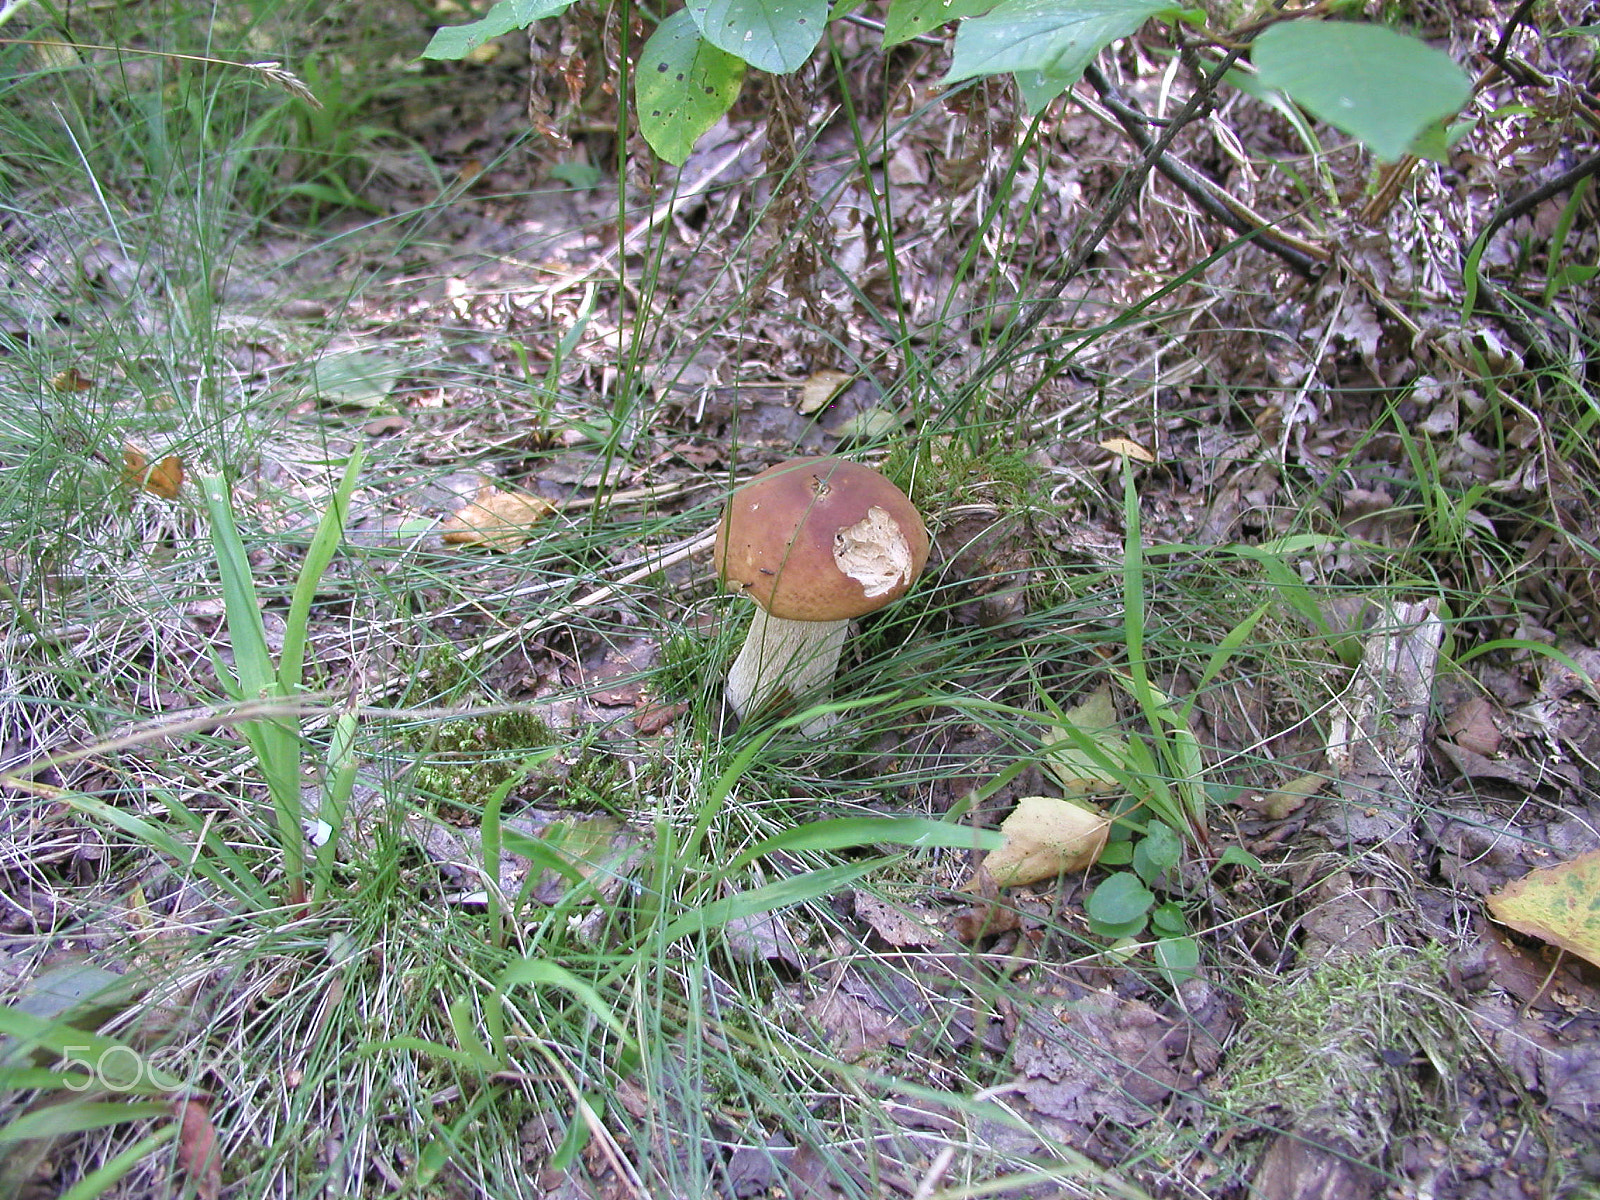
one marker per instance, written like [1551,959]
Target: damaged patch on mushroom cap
[875,553]
[779,540]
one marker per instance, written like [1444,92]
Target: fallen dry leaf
[1123,448]
[1079,771]
[165,479]
[197,1147]
[822,387]
[71,380]
[1473,727]
[1046,837]
[496,519]
[1560,904]
[1290,797]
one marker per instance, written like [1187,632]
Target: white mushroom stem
[787,662]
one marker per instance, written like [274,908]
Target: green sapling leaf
[1120,899]
[1177,958]
[911,18]
[1157,852]
[458,41]
[1381,87]
[1048,43]
[682,87]
[774,35]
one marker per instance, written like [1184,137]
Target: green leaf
[1055,38]
[355,380]
[458,41]
[1177,958]
[912,18]
[1157,852]
[843,833]
[1168,919]
[76,1116]
[1038,88]
[1117,853]
[1120,899]
[1381,87]
[682,86]
[1238,856]
[774,35]
[781,893]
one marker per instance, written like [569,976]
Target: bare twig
[1011,343]
[1306,259]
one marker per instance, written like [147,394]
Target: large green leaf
[683,84]
[910,18]
[1379,86]
[774,35]
[1055,39]
[458,41]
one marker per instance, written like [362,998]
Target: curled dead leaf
[71,380]
[1046,837]
[1290,797]
[198,1155]
[496,519]
[164,479]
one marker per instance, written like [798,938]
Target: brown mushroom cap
[820,539]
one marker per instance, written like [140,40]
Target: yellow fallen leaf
[1046,837]
[822,387]
[1123,448]
[165,479]
[1079,770]
[1291,796]
[1560,904]
[496,519]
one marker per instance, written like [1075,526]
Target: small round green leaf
[1157,852]
[1119,899]
[1177,958]
[1381,87]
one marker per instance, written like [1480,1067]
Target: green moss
[466,760]
[1351,1040]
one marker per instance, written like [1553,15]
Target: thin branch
[1303,258]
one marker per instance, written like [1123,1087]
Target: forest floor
[1269,540]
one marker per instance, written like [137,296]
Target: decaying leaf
[1046,837]
[823,386]
[71,380]
[1291,796]
[496,519]
[1560,904]
[164,479]
[1082,771]
[197,1147]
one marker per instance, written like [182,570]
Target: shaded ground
[1361,1028]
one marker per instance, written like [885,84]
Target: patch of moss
[1364,1042]
[467,760]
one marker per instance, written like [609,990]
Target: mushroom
[815,542]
